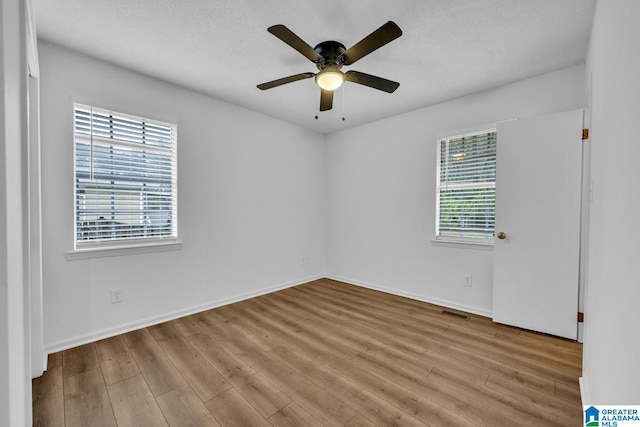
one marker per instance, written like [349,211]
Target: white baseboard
[585,394]
[143,323]
[150,321]
[423,298]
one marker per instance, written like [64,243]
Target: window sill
[463,244]
[101,252]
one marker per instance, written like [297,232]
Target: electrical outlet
[468,280]
[304,260]
[116,295]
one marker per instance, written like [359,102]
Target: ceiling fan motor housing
[331,52]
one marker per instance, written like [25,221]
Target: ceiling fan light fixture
[329,56]
[330,79]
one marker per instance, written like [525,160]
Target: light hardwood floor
[322,353]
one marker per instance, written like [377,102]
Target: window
[125,179]
[465,206]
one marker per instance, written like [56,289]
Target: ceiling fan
[330,56]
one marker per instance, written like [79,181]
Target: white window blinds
[125,178]
[466,187]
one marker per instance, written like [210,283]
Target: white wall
[252,195]
[611,346]
[15,379]
[251,204]
[381,186]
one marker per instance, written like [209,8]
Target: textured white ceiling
[449,48]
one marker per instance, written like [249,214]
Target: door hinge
[585,134]
[580,317]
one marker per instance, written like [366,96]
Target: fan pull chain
[344,89]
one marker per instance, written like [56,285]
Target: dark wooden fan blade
[290,38]
[326,100]
[285,80]
[371,81]
[383,35]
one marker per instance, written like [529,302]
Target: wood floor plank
[182,407]
[226,313]
[532,381]
[54,360]
[524,355]
[357,306]
[561,349]
[306,316]
[215,326]
[308,335]
[277,333]
[86,401]
[216,353]
[429,351]
[487,359]
[232,410]
[322,353]
[549,340]
[293,415]
[293,335]
[246,324]
[79,359]
[258,391]
[187,326]
[417,406]
[203,377]
[386,364]
[366,403]
[448,349]
[399,310]
[48,398]
[359,421]
[161,375]
[134,404]
[243,348]
[402,397]
[115,360]
[371,321]
[327,409]
[479,395]
[563,413]
[569,394]
[263,395]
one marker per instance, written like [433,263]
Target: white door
[538,187]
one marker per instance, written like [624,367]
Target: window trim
[110,251]
[465,244]
[449,241]
[127,245]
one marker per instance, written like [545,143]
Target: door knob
[502,235]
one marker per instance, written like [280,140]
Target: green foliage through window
[466,187]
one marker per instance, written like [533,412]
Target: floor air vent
[451,313]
